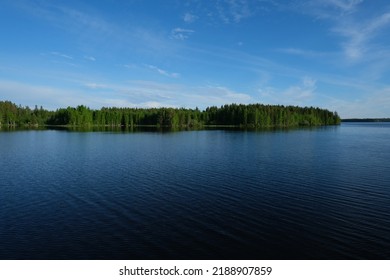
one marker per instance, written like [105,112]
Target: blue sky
[332,54]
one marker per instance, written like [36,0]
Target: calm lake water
[321,193]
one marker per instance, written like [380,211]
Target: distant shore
[367,120]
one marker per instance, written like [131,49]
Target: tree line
[367,120]
[249,116]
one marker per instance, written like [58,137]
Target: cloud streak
[90,58]
[163,72]
[62,55]
[359,35]
[345,6]
[350,23]
[181,33]
[302,52]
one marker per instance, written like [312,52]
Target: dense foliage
[12,115]
[255,115]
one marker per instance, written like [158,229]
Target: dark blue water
[320,193]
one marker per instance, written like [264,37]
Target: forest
[238,115]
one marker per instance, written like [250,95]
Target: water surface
[321,193]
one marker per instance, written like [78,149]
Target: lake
[313,193]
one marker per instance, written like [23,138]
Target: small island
[233,115]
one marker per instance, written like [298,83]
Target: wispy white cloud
[61,55]
[53,97]
[155,104]
[302,52]
[214,95]
[131,66]
[359,34]
[141,93]
[376,105]
[356,30]
[60,58]
[345,6]
[239,9]
[189,18]
[299,94]
[74,17]
[109,35]
[64,63]
[67,18]
[240,60]
[164,72]
[324,9]
[96,86]
[49,97]
[233,10]
[230,11]
[304,91]
[90,58]
[181,33]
